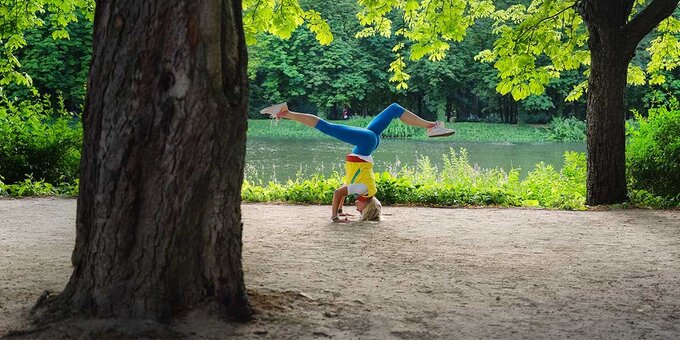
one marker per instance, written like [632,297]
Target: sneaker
[439,130]
[275,111]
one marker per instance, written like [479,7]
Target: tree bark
[158,225]
[606,177]
[612,42]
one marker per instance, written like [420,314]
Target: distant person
[345,114]
[359,178]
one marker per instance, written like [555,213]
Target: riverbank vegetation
[40,147]
[40,135]
[458,183]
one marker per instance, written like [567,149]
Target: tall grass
[457,183]
[465,131]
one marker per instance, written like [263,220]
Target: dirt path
[422,273]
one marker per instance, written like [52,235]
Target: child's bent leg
[364,141]
[384,118]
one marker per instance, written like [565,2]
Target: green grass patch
[465,131]
[32,187]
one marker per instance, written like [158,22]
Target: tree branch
[531,29]
[645,21]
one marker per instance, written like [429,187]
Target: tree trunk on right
[606,182]
[613,37]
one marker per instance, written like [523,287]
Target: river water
[281,158]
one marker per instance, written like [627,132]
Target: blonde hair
[372,210]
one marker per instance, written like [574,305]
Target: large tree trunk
[612,42]
[606,179]
[609,57]
[159,220]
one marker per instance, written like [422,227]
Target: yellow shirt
[361,172]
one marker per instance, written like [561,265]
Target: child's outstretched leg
[384,118]
[364,140]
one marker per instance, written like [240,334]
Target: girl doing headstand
[359,179]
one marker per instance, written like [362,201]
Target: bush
[458,183]
[535,118]
[38,142]
[567,130]
[653,153]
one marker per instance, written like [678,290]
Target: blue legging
[365,140]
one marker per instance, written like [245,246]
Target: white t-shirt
[357,189]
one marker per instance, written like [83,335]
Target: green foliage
[565,189]
[644,199]
[468,132]
[458,183]
[281,18]
[536,43]
[653,153]
[664,50]
[567,130]
[319,78]
[57,67]
[32,187]
[351,73]
[20,16]
[429,26]
[38,142]
[315,190]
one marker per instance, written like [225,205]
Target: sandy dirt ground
[422,273]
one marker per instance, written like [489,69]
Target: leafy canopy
[281,18]
[535,43]
[19,16]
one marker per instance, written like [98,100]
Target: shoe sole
[442,134]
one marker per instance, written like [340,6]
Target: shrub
[567,130]
[535,118]
[38,142]
[458,183]
[653,153]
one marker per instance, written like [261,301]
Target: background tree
[612,42]
[536,43]
[159,220]
[601,36]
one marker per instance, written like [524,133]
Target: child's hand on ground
[341,220]
[345,214]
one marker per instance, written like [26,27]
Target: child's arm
[340,208]
[338,196]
